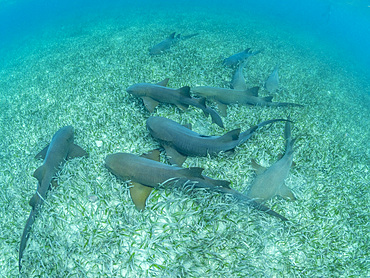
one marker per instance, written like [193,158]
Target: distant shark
[153,94]
[168,42]
[270,182]
[146,173]
[55,154]
[225,96]
[235,59]
[180,142]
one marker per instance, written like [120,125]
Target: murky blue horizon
[345,25]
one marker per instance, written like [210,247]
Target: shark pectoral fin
[223,109]
[139,193]
[42,154]
[257,168]
[192,172]
[286,193]
[150,104]
[153,155]
[76,151]
[163,83]
[173,156]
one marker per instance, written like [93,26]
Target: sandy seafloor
[77,75]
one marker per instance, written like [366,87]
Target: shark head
[158,128]
[138,90]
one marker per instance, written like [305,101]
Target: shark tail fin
[25,236]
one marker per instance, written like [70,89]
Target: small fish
[235,59]
[272,82]
[153,94]
[168,42]
[146,172]
[247,97]
[270,182]
[55,154]
[180,142]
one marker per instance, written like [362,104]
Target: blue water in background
[344,24]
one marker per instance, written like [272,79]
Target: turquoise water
[70,64]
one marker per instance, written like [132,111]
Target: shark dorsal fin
[172,36]
[220,183]
[184,91]
[247,50]
[76,151]
[192,172]
[152,155]
[252,91]
[42,153]
[139,193]
[231,135]
[268,98]
[163,83]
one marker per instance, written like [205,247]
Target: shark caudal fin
[25,236]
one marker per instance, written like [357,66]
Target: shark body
[55,154]
[235,59]
[146,173]
[153,94]
[181,142]
[168,42]
[246,97]
[270,182]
